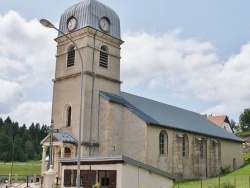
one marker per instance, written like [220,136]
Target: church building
[126,140]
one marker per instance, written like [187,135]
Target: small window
[67,152]
[163,141]
[107,178]
[184,146]
[71,57]
[202,148]
[103,57]
[69,116]
[234,164]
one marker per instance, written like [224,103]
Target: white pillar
[62,151]
[43,169]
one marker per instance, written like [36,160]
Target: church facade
[118,127]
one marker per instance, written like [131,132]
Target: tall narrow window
[71,57]
[69,116]
[163,139]
[185,146]
[103,57]
[202,148]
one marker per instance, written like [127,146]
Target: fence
[18,180]
[220,182]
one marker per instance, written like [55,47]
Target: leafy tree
[29,149]
[5,147]
[26,141]
[234,126]
[1,122]
[244,120]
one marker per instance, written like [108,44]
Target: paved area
[21,185]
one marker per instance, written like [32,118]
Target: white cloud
[30,111]
[26,51]
[11,93]
[27,63]
[188,69]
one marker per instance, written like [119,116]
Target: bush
[224,171]
[246,157]
[225,185]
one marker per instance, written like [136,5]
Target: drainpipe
[92,99]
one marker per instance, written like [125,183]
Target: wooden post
[27,179]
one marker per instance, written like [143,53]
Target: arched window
[202,145]
[185,146]
[234,164]
[71,57]
[69,116]
[103,57]
[163,143]
[67,152]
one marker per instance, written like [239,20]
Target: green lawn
[240,178]
[21,169]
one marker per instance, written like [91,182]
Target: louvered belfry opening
[103,57]
[71,57]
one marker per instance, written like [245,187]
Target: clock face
[72,24]
[104,24]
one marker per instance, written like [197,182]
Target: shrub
[97,185]
[225,185]
[224,171]
[246,157]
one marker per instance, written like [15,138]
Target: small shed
[113,172]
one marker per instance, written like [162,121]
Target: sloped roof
[63,137]
[218,119]
[157,113]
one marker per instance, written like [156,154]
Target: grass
[240,178]
[21,168]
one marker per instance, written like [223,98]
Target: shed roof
[157,113]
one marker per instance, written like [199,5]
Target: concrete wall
[229,152]
[227,127]
[134,176]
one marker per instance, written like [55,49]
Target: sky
[191,54]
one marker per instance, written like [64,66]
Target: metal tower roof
[88,14]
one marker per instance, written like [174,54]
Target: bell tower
[95,30]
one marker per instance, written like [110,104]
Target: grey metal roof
[88,13]
[156,113]
[118,159]
[63,137]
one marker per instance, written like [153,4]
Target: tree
[234,126]
[26,141]
[1,122]
[244,120]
